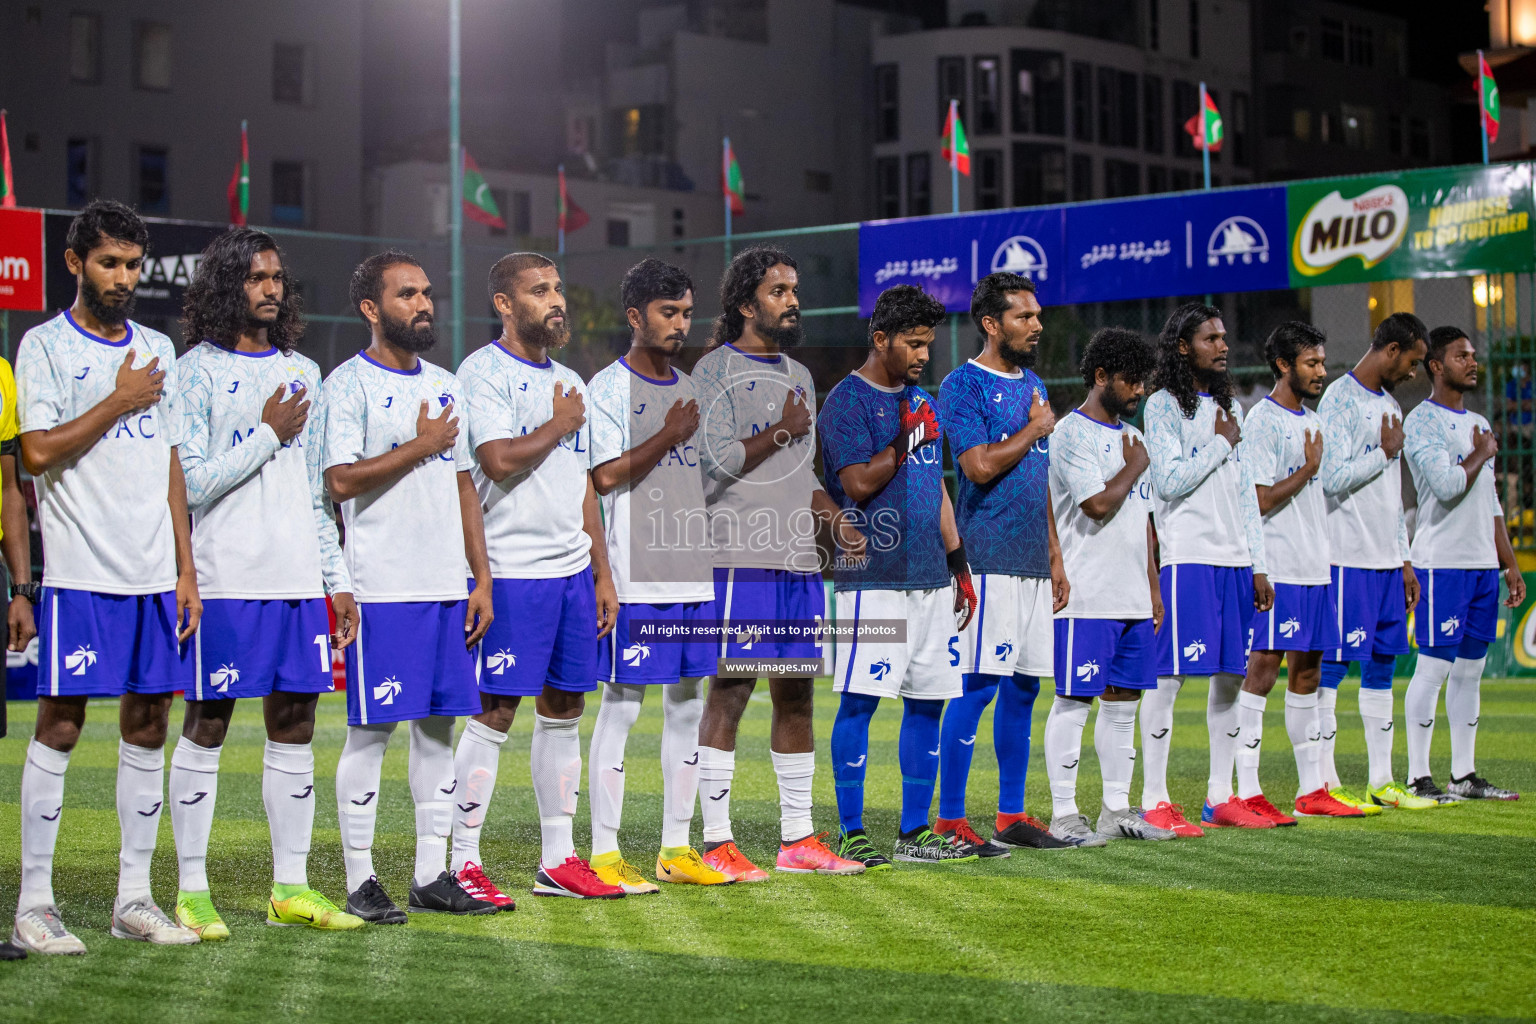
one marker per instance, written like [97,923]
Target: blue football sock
[1376,674]
[850,753]
[919,753]
[1011,723]
[957,741]
[1334,673]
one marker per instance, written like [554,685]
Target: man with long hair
[757,409]
[267,553]
[1212,559]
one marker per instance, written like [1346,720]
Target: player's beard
[1118,408]
[406,334]
[786,334]
[536,331]
[1298,388]
[104,311]
[1209,378]
[1018,355]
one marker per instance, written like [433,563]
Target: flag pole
[1205,141]
[1482,105]
[725,190]
[455,188]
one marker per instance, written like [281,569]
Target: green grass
[1398,917]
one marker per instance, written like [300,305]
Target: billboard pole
[455,189]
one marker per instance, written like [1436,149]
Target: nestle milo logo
[1369,226]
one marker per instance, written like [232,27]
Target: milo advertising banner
[1430,223]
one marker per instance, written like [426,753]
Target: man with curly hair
[267,554]
[1213,573]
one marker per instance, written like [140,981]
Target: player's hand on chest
[241,396]
[101,371]
[395,416]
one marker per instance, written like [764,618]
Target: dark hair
[651,279]
[1287,341]
[739,288]
[1117,351]
[1440,339]
[103,219]
[990,297]
[215,307]
[505,270]
[1174,373]
[903,307]
[1402,328]
[368,278]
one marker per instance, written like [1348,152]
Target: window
[80,171]
[986,82]
[1082,101]
[1121,178]
[951,87]
[519,212]
[618,233]
[1395,134]
[987,166]
[1186,104]
[1108,108]
[1154,24]
[887,187]
[1327,126]
[1039,174]
[288,73]
[818,181]
[1237,129]
[1039,96]
[1418,138]
[288,193]
[1152,113]
[887,104]
[1362,48]
[151,56]
[153,179]
[1301,124]
[1128,109]
[1331,40]
[1082,177]
[919,185]
[85,48]
[641,130]
[1359,125]
[1194,29]
[1157,180]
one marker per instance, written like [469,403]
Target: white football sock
[288,792]
[616,716]
[1463,706]
[1063,749]
[1327,734]
[42,805]
[1250,738]
[1222,725]
[795,772]
[1157,739]
[556,762]
[474,765]
[140,797]
[434,791]
[1376,716]
[716,770]
[1114,739]
[1419,703]
[1301,727]
[682,707]
[193,786]
[357,796]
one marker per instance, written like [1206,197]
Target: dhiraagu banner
[1430,223]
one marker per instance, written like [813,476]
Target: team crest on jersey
[1450,625]
[1194,649]
[880,669]
[82,659]
[387,691]
[499,662]
[445,399]
[221,677]
[1356,636]
[634,654]
[1087,670]
[1289,628]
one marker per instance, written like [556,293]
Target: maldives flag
[568,216]
[1488,94]
[730,180]
[957,149]
[479,204]
[1205,127]
[239,191]
[7,187]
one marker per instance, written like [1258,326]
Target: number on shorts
[324,643]
[954,653]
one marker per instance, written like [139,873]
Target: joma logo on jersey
[387,691]
[221,677]
[1450,625]
[1194,649]
[82,659]
[634,654]
[499,662]
[1356,636]
[1087,670]
[1290,627]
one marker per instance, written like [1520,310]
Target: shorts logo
[387,691]
[82,659]
[634,654]
[221,677]
[880,669]
[749,636]
[1194,649]
[1450,625]
[1087,670]
[1290,627]
[499,662]
[1356,636]
[1004,650]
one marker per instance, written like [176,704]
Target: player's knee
[204,730]
[557,703]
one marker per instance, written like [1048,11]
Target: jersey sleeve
[721,452]
[1430,456]
[463,449]
[845,434]
[1342,469]
[39,394]
[806,386]
[965,422]
[9,423]
[211,475]
[333,566]
[1260,450]
[1075,465]
[491,413]
[609,419]
[346,420]
[1253,521]
[1175,474]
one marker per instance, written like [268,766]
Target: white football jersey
[533,520]
[404,542]
[1106,562]
[658,530]
[262,527]
[1454,527]
[1203,500]
[760,519]
[1295,532]
[105,516]
[1362,487]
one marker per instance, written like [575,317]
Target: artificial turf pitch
[1408,916]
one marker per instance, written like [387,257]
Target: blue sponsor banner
[946,256]
[1187,244]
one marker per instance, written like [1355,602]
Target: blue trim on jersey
[649,380]
[1455,412]
[389,369]
[546,364]
[1106,426]
[1294,412]
[853,648]
[1362,384]
[762,359]
[97,337]
[271,351]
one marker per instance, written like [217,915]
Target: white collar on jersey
[1015,375]
[898,389]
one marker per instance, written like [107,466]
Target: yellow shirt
[9,426]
